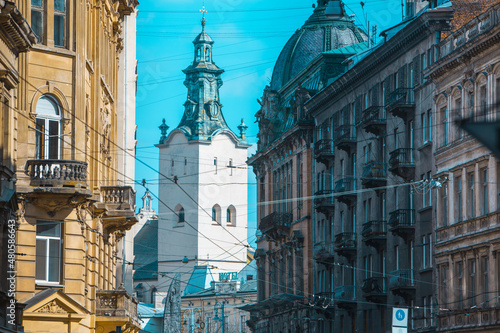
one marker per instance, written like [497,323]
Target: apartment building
[74,197]
[373,194]
[466,75]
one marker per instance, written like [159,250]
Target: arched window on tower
[207,54]
[179,210]
[48,128]
[231,215]
[216,214]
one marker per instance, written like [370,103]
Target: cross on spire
[203,11]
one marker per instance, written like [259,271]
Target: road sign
[399,317]
[399,329]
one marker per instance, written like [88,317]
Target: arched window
[231,215]
[181,215]
[216,213]
[48,128]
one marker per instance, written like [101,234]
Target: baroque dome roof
[318,34]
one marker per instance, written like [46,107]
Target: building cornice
[14,30]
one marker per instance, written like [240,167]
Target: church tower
[203,179]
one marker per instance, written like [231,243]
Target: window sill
[230,225]
[57,50]
[48,284]
[425,209]
[427,144]
[426,270]
[215,223]
[179,225]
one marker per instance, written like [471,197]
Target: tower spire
[203,11]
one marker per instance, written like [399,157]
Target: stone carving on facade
[172,312]
[52,307]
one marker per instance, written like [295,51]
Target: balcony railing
[402,218]
[116,303]
[345,296]
[401,103]
[345,243]
[345,136]
[375,233]
[375,289]
[57,173]
[324,150]
[402,222]
[324,251]
[374,174]
[275,220]
[118,197]
[402,163]
[323,201]
[374,119]
[402,278]
[345,187]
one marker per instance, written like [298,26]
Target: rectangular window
[423,121]
[458,184]
[472,282]
[472,197]
[485,281]
[484,104]
[429,124]
[444,285]
[60,23]
[185,165]
[444,118]
[37,19]
[215,164]
[484,192]
[459,289]
[445,205]
[48,252]
[230,166]
[172,164]
[243,323]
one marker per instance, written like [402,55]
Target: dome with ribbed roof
[318,34]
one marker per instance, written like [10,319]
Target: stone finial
[243,130]
[163,129]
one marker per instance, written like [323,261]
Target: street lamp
[219,306]
[192,319]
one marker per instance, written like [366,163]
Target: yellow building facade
[73,207]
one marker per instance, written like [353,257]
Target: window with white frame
[48,128]
[231,215]
[48,252]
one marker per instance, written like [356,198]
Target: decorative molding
[52,307]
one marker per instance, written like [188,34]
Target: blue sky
[248,35]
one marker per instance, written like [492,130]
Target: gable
[54,302]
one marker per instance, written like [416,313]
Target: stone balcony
[276,223]
[324,252]
[345,296]
[116,308]
[402,222]
[374,175]
[345,137]
[345,244]
[401,103]
[117,203]
[374,120]
[323,201]
[56,184]
[375,289]
[345,189]
[402,283]
[402,163]
[375,233]
[324,151]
